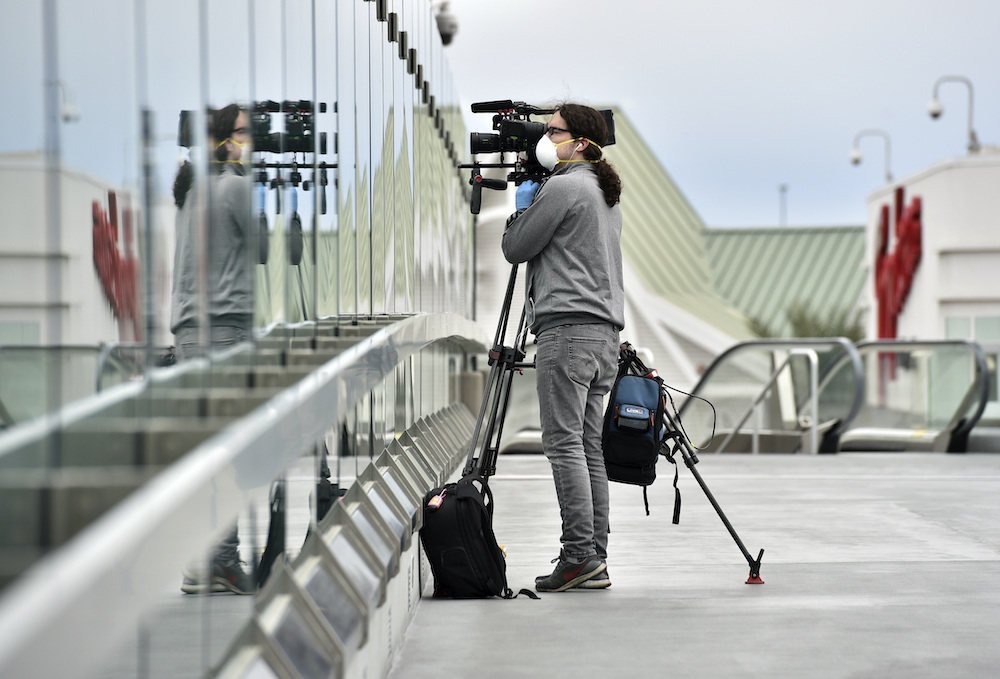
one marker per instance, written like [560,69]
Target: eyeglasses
[550,131]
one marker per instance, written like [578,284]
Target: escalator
[830,395]
[920,396]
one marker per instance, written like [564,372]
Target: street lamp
[782,204]
[936,108]
[856,154]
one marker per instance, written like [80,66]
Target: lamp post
[856,155]
[936,108]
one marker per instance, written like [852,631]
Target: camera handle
[478,182]
[504,362]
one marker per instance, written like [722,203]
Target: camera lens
[521,135]
[484,142]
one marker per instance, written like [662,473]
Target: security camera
[935,108]
[447,24]
[70,113]
[856,156]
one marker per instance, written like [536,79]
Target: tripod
[630,363]
[504,362]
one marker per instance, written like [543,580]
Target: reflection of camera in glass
[299,137]
[185,129]
[300,125]
[260,123]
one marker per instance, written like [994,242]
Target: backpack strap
[670,457]
[508,593]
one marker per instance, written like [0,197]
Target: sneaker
[542,577]
[225,578]
[599,581]
[569,574]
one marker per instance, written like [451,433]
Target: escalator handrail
[849,350]
[965,425]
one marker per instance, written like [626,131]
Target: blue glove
[525,193]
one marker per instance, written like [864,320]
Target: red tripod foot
[754,578]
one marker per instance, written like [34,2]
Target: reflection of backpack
[633,426]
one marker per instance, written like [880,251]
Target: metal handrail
[105,355]
[848,352]
[982,375]
[133,553]
[813,398]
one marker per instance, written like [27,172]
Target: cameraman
[568,230]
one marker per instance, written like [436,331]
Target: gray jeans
[227,552]
[576,366]
[189,344]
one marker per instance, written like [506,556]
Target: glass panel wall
[354,205]
[220,182]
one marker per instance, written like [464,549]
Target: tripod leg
[690,459]
[504,360]
[493,381]
[498,415]
[275,533]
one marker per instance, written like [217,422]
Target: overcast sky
[737,97]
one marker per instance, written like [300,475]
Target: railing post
[813,359]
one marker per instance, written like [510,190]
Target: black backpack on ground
[633,433]
[458,539]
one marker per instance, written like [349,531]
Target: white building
[953,279]
[91,258]
[71,283]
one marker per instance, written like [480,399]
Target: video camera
[516,133]
[300,125]
[298,137]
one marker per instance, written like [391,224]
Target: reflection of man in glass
[229,265]
[229,273]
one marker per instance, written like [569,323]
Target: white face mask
[244,151]
[545,153]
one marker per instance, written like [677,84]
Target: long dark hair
[221,123]
[589,124]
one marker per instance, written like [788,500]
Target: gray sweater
[571,241]
[230,269]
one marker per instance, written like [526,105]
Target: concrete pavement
[875,565]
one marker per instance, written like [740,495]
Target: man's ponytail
[588,123]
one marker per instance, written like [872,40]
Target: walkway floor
[876,565]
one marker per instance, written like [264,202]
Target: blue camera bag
[632,427]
